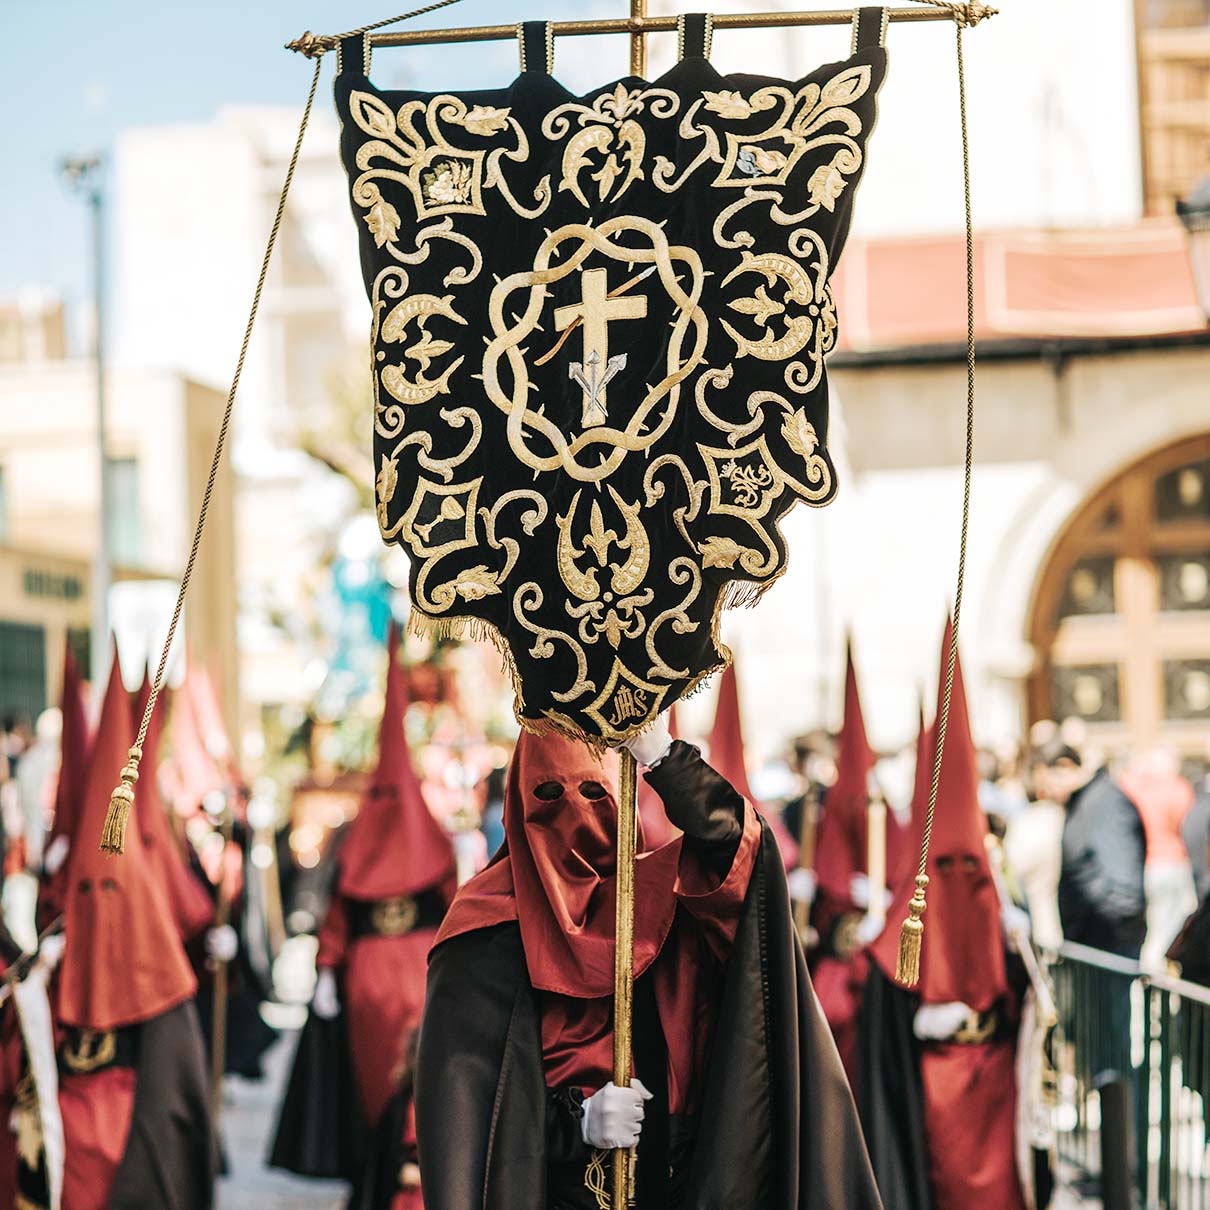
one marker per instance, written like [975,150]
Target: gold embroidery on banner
[93,1049]
[394,917]
[440,157]
[627,702]
[394,329]
[608,130]
[607,444]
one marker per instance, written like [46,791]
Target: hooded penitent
[394,846]
[727,756]
[558,878]
[519,1014]
[966,1084]
[841,850]
[841,853]
[396,878]
[123,963]
[963,956]
[191,906]
[135,1113]
[73,770]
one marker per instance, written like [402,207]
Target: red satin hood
[394,846]
[962,957]
[841,851]
[727,757]
[123,961]
[557,878]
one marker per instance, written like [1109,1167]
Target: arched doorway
[1121,614]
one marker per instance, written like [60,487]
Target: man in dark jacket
[1101,898]
[1196,833]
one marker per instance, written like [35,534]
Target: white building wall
[1052,103]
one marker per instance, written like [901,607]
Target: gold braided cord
[313,46]
[908,965]
[112,840]
[970,13]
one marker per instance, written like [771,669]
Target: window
[22,671]
[124,528]
[1122,611]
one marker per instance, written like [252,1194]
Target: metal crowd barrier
[1149,1036]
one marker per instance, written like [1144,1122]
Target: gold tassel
[113,835]
[907,966]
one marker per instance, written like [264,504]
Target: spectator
[1164,798]
[1196,833]
[1101,897]
[1033,847]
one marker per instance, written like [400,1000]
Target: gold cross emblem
[595,310]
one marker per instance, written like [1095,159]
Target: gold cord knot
[312,46]
[113,836]
[911,934]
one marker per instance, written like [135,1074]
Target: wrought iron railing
[1150,1034]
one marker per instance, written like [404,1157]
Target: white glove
[651,746]
[222,943]
[56,855]
[325,1004]
[859,892]
[802,885]
[613,1116]
[869,927]
[939,1022]
[1014,924]
[50,952]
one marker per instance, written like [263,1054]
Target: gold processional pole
[623,937]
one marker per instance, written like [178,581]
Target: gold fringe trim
[911,935]
[113,836]
[735,594]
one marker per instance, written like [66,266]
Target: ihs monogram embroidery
[599,332]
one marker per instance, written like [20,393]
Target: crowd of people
[457,1052]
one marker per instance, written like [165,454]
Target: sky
[78,72]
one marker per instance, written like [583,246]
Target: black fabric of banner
[599,330]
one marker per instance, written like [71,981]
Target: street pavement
[249,1119]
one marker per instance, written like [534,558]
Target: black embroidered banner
[599,335]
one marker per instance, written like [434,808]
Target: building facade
[160,433]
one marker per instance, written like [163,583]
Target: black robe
[321,1130]
[890,1093]
[171,1155]
[777,1130]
